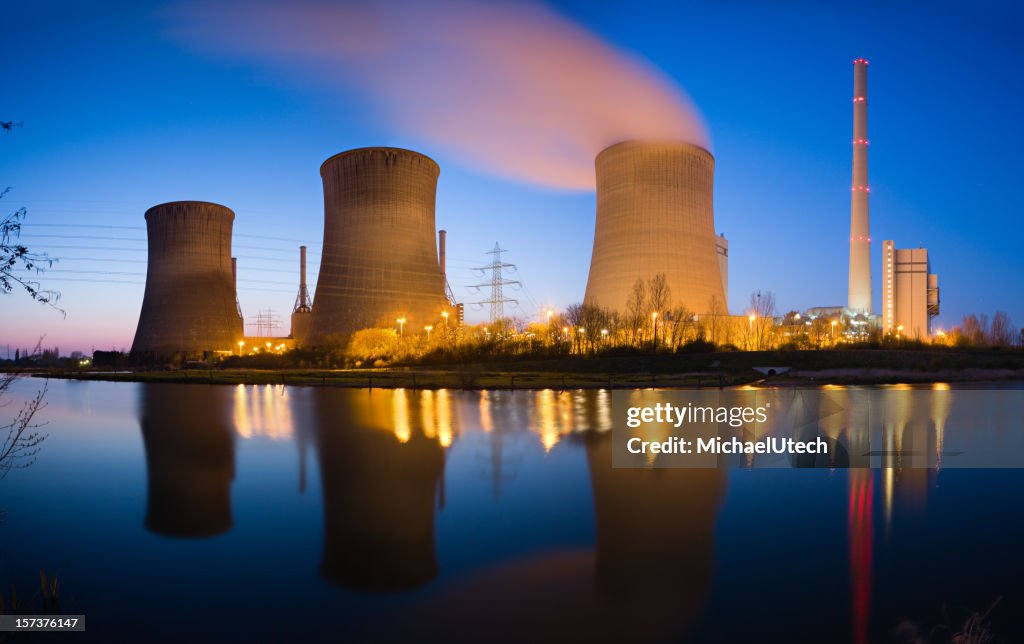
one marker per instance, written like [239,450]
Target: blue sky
[119,115]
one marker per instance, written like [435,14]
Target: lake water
[191,512]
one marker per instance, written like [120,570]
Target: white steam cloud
[510,88]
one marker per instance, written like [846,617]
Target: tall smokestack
[302,268]
[441,236]
[860,227]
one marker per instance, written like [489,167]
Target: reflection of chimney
[441,235]
[302,267]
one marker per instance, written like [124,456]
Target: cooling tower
[655,215]
[379,261]
[189,307]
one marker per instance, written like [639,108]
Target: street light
[428,329]
[241,343]
[833,331]
[401,326]
[654,324]
[444,314]
[752,318]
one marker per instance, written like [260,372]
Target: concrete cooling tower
[379,260]
[655,215]
[189,308]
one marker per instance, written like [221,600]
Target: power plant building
[379,261]
[655,215]
[910,292]
[722,246]
[190,308]
[859,300]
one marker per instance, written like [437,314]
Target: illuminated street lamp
[241,343]
[752,318]
[654,323]
[444,314]
[428,329]
[899,331]
[401,326]
[833,331]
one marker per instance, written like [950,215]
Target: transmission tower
[497,284]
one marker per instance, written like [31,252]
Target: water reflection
[263,410]
[380,474]
[190,458]
[647,573]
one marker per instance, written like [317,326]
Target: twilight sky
[129,105]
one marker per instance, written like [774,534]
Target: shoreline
[537,380]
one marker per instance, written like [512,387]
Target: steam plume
[514,89]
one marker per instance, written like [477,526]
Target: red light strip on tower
[858,99]
[861,141]
[861,188]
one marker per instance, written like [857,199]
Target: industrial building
[859,300]
[910,292]
[190,308]
[303,310]
[722,247]
[379,262]
[655,215]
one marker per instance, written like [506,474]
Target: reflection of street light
[428,329]
[401,326]
[654,324]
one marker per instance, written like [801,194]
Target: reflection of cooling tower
[379,260]
[655,530]
[190,304]
[655,215]
[379,492]
[190,458]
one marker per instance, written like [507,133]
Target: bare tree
[20,442]
[636,313]
[973,330]
[762,312]
[659,297]
[1001,332]
[712,323]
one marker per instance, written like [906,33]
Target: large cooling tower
[655,215]
[189,307]
[379,260]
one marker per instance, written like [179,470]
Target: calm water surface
[190,512]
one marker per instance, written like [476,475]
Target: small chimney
[441,235]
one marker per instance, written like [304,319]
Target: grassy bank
[846,366]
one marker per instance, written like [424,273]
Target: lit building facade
[910,292]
